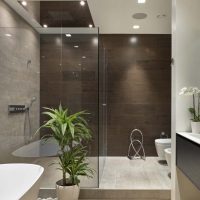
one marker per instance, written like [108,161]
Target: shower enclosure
[65,66]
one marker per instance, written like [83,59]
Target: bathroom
[112,59]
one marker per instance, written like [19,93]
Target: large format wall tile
[139,89]
[19,81]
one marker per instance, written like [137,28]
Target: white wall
[186,72]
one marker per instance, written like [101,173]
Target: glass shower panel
[102,107]
[69,75]
[80,85]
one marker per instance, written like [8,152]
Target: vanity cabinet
[188,158]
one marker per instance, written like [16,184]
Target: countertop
[194,137]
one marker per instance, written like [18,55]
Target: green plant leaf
[67,129]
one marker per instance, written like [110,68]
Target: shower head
[33,99]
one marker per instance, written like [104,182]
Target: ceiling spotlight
[45,25]
[136,26]
[24,3]
[141,1]
[76,46]
[82,3]
[90,25]
[84,57]
[8,35]
[68,35]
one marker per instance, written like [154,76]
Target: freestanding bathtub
[20,181]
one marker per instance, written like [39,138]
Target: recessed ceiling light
[45,25]
[139,15]
[136,26]
[141,1]
[76,46]
[24,3]
[68,35]
[84,57]
[8,35]
[82,3]
[90,25]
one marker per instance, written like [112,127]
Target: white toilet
[161,145]
[168,153]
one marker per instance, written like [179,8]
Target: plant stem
[194,106]
[64,179]
[64,172]
[198,106]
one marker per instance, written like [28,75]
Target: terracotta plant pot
[70,192]
[195,127]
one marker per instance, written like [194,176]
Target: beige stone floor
[122,173]
[123,177]
[52,175]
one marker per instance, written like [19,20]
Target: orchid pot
[195,127]
[194,110]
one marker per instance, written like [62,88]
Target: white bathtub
[38,148]
[20,181]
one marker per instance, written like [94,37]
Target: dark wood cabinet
[188,159]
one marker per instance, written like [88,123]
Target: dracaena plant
[70,131]
[195,109]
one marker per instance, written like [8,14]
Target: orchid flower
[195,93]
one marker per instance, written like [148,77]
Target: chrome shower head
[33,99]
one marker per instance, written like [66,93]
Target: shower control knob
[16,108]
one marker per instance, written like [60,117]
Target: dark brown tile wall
[139,89]
[69,79]
[138,84]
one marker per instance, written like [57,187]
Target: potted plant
[70,132]
[195,109]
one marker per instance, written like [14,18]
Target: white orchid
[189,91]
[195,93]
[196,90]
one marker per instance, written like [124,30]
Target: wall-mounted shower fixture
[28,63]
[27,121]
[16,108]
[20,108]
[136,144]
[33,99]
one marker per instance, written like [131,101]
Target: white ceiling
[115,16]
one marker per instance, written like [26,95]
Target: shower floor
[122,173]
[134,179]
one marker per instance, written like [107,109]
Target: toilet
[162,144]
[168,157]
